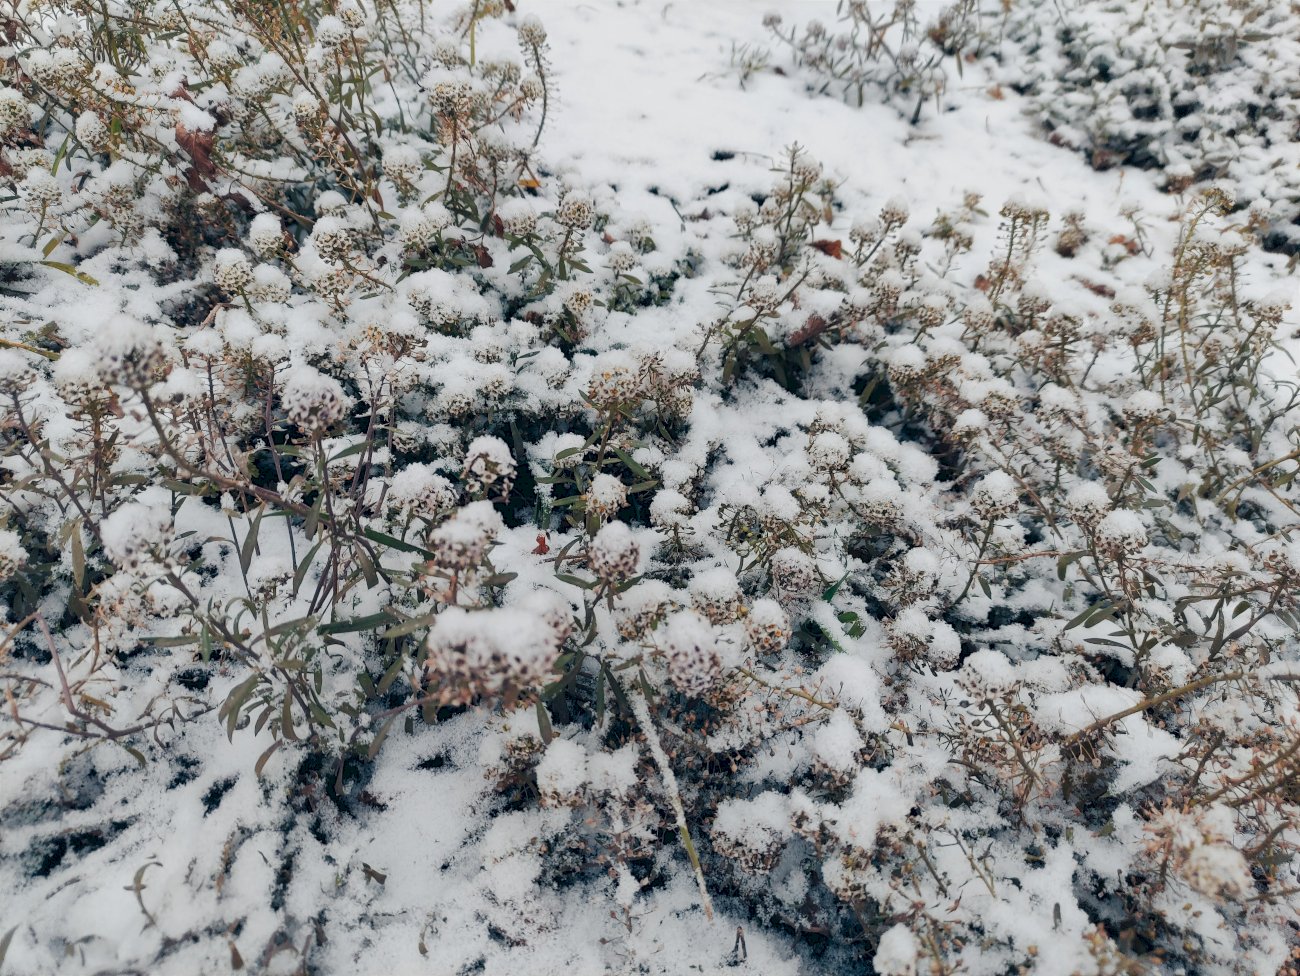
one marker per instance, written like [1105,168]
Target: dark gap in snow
[212,798]
[47,853]
[188,771]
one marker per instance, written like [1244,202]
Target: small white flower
[1088,503]
[402,164]
[716,594]
[331,31]
[518,218]
[312,401]
[233,272]
[576,211]
[605,495]
[12,554]
[996,496]
[91,131]
[135,533]
[793,573]
[614,554]
[690,649]
[15,113]
[1121,533]
[265,235]
[489,466]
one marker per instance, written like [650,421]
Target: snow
[134,532]
[896,953]
[1123,530]
[603,633]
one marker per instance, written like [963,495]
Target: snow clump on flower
[691,653]
[134,533]
[497,653]
[489,466]
[996,496]
[12,554]
[897,952]
[614,553]
[605,495]
[1121,533]
[313,401]
[233,271]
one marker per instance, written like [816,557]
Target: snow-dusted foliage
[897,47]
[1201,89]
[1197,89]
[413,558]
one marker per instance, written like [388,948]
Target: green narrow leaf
[379,738]
[369,622]
[764,343]
[544,724]
[63,151]
[230,708]
[313,517]
[300,573]
[632,466]
[182,488]
[408,627]
[831,591]
[1103,612]
[367,566]
[7,938]
[250,542]
[374,535]
[261,760]
[263,717]
[1077,619]
[1065,562]
[68,269]
[348,452]
[390,676]
[177,641]
[297,623]
[286,719]
[52,243]
[575,581]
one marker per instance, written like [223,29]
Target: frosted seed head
[614,554]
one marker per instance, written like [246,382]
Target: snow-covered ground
[845,775]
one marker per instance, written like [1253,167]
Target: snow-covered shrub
[1201,90]
[1088,451]
[297,234]
[886,46]
[930,606]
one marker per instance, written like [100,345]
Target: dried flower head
[312,401]
[614,554]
